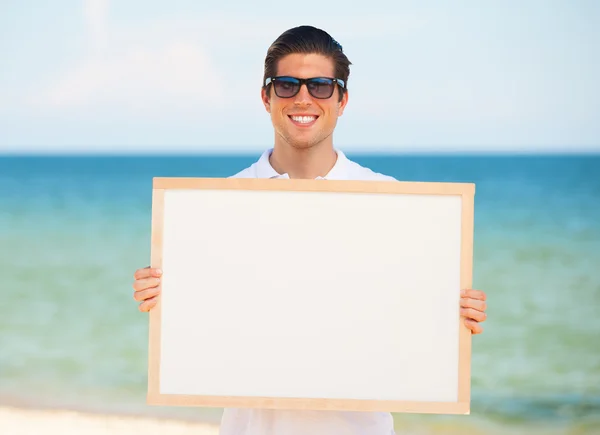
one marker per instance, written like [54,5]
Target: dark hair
[307,40]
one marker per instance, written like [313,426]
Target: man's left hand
[473,306]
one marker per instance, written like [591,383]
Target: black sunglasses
[318,87]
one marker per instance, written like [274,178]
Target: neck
[307,163]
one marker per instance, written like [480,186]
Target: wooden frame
[458,404]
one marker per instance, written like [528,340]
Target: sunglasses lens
[286,87]
[320,88]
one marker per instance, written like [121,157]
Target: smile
[304,120]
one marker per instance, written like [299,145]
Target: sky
[151,76]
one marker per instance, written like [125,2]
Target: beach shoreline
[31,420]
[25,421]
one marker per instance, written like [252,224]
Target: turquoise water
[74,229]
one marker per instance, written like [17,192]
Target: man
[305,91]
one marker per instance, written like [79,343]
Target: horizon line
[250,152]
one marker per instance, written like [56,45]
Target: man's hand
[473,308]
[145,287]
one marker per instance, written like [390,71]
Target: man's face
[285,111]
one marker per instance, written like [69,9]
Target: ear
[265,99]
[342,104]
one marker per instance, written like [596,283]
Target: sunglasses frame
[272,80]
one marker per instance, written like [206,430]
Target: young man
[305,91]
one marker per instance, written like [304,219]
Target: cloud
[96,14]
[176,76]
[165,75]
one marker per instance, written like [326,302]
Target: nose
[303,97]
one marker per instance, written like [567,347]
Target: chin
[302,145]
[303,141]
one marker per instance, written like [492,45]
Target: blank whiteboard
[311,294]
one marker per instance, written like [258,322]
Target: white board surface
[349,298]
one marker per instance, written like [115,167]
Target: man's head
[307,40]
[305,53]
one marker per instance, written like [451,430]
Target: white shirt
[249,421]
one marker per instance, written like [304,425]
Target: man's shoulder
[249,172]
[258,169]
[356,171]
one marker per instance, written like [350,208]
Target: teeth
[304,119]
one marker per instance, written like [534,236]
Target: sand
[17,421]
[25,421]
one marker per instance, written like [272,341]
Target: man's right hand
[146,287]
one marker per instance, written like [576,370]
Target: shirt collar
[265,170]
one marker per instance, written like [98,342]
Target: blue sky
[184,76]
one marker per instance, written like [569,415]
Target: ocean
[73,229]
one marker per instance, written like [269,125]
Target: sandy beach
[26,421]
[18,421]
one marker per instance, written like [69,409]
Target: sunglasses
[318,87]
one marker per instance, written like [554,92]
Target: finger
[474,294]
[147,272]
[143,284]
[146,294]
[473,303]
[475,327]
[148,304]
[470,313]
